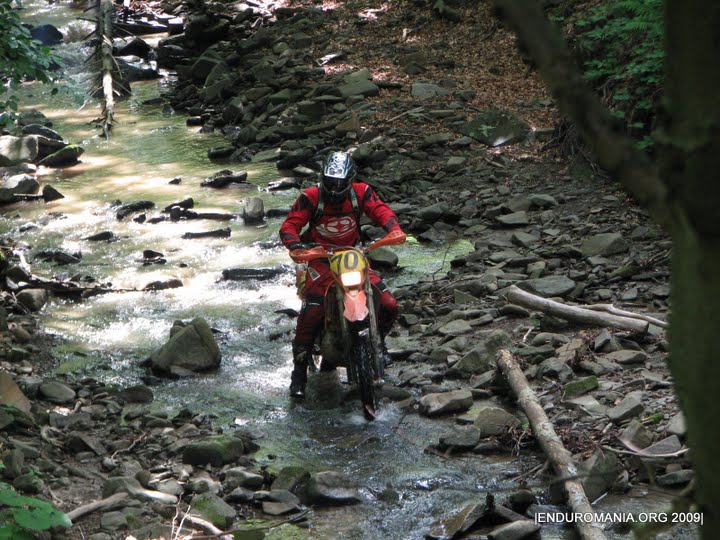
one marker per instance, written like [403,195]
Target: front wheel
[364,369]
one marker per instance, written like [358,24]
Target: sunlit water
[107,336]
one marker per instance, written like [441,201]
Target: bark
[104,33]
[691,161]
[97,505]
[574,313]
[557,454]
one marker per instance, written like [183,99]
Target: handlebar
[393,238]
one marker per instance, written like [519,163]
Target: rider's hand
[302,245]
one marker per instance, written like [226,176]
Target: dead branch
[551,444]
[630,314]
[96,505]
[574,313]
[639,453]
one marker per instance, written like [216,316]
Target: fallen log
[96,505]
[574,313]
[551,445]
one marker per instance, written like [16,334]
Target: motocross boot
[298,377]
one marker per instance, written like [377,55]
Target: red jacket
[338,223]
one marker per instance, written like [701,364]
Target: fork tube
[374,331]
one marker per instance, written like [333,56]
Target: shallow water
[107,336]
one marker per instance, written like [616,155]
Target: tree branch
[613,149]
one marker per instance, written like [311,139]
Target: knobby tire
[364,368]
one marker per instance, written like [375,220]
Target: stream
[405,489]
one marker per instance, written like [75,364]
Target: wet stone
[492,420]
[214,509]
[460,439]
[446,402]
[329,487]
[676,479]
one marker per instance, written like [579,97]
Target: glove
[302,245]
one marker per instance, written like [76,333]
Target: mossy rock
[580,386]
[216,451]
[65,156]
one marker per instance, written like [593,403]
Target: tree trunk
[686,201]
[691,165]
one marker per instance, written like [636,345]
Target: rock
[515,530]
[161,285]
[629,407]
[138,393]
[17,150]
[279,502]
[240,495]
[69,155]
[604,244]
[460,439]
[627,357]
[330,488]
[253,211]
[549,286]
[22,184]
[423,91]
[458,523]
[50,194]
[491,420]
[495,128]
[588,405]
[455,328]
[598,473]
[676,479]
[57,392]
[677,426]
[516,219]
[100,237]
[668,445]
[383,258]
[360,87]
[241,274]
[580,386]
[225,232]
[637,435]
[446,402]
[432,213]
[193,348]
[239,477]
[215,451]
[290,478]
[482,357]
[10,393]
[126,209]
[33,299]
[113,521]
[47,34]
[555,368]
[224,178]
[214,509]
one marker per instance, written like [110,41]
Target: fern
[622,43]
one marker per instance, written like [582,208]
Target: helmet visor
[335,185]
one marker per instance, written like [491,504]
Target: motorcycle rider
[332,210]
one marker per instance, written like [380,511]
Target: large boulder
[69,155]
[191,348]
[16,150]
[446,402]
[47,34]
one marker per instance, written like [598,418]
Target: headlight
[350,279]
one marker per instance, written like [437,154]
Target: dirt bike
[351,337]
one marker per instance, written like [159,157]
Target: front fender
[356,308]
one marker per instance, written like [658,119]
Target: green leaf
[12,532]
